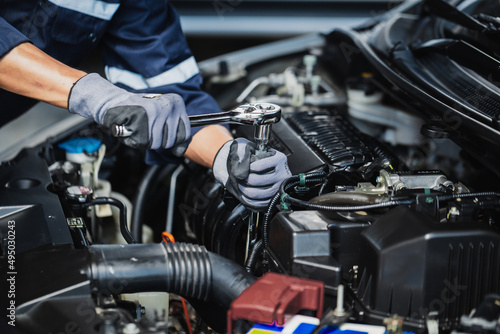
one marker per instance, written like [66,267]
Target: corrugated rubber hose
[185,269]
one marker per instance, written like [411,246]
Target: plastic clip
[301,188]
[284,205]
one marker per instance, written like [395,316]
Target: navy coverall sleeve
[144,50]
[9,37]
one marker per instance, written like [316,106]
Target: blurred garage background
[215,27]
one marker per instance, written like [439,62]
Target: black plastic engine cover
[300,245]
[413,265]
[36,215]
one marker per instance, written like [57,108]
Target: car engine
[391,132]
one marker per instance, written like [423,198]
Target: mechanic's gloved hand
[156,121]
[253,179]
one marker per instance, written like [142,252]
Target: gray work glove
[252,179]
[156,121]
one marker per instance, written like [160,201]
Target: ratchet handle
[260,115]
[209,119]
[119,130]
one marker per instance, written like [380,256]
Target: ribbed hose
[189,270]
[185,269]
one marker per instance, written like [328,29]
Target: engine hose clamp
[284,204]
[302,184]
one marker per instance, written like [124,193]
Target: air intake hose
[185,269]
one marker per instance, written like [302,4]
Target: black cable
[327,178]
[311,178]
[252,256]
[287,184]
[467,195]
[140,201]
[267,217]
[284,187]
[123,215]
[320,207]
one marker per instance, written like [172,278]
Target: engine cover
[412,266]
[408,263]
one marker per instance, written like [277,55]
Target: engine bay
[391,134]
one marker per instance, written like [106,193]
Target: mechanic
[145,55]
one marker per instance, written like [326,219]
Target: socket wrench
[260,115]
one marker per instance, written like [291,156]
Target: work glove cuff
[92,95]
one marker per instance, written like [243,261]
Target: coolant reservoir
[88,152]
[81,150]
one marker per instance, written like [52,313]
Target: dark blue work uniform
[141,43]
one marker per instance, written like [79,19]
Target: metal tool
[261,115]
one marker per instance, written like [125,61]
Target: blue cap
[81,145]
